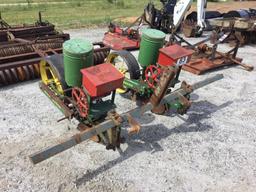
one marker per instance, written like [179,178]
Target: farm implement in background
[19,60]
[21,49]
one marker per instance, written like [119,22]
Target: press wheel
[126,63]
[52,72]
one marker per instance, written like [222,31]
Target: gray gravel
[212,148]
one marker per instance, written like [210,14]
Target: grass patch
[71,14]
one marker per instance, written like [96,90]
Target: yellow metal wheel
[121,66]
[125,62]
[49,75]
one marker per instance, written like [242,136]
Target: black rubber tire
[241,13]
[208,15]
[130,61]
[56,62]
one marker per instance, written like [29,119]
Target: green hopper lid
[77,46]
[154,34]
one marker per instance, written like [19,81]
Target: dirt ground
[212,148]
[224,7]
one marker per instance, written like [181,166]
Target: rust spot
[135,126]
[160,109]
[186,87]
[85,128]
[77,138]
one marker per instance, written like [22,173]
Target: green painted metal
[151,41]
[99,110]
[176,105]
[136,85]
[78,54]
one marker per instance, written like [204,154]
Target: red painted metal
[152,75]
[101,79]
[81,101]
[199,66]
[118,41]
[202,65]
[169,55]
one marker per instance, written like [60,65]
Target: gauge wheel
[126,63]
[52,72]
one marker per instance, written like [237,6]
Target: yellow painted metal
[121,90]
[49,76]
[121,67]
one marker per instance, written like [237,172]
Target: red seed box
[101,79]
[168,56]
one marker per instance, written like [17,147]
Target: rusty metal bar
[19,63]
[108,124]
[76,139]
[57,101]
[24,56]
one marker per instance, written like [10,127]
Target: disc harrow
[19,71]
[21,48]
[100,52]
[20,61]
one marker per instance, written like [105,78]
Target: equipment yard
[71,14]
[211,148]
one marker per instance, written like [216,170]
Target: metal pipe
[76,139]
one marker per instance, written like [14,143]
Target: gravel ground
[212,148]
